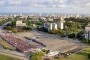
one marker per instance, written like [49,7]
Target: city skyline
[45,6]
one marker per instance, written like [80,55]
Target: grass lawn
[6,45]
[74,57]
[3,57]
[86,49]
[77,57]
[82,55]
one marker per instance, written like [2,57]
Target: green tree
[37,56]
[88,56]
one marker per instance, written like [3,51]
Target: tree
[71,35]
[26,28]
[45,51]
[80,35]
[88,56]
[13,23]
[37,56]
[39,22]
[42,29]
[8,27]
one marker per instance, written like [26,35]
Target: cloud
[80,3]
[14,2]
[35,5]
[61,5]
[88,4]
[2,2]
[49,3]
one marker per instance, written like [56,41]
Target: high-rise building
[78,15]
[14,15]
[48,26]
[54,26]
[60,23]
[87,35]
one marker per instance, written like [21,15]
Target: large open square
[52,42]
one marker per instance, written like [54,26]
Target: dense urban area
[50,37]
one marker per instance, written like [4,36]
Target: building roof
[20,23]
[23,24]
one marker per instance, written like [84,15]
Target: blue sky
[45,6]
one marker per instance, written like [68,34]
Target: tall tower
[60,23]
[78,15]
[54,26]
[40,14]
[50,26]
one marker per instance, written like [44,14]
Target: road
[4,24]
[13,54]
[8,53]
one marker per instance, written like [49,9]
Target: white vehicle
[53,53]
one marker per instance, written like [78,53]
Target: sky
[45,6]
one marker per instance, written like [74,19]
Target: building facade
[87,34]
[20,24]
[54,26]
[60,25]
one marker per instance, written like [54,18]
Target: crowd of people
[35,40]
[16,41]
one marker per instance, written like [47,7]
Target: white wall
[87,35]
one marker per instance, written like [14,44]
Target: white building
[50,26]
[87,35]
[78,15]
[62,18]
[50,19]
[54,26]
[60,25]
[14,15]
[20,24]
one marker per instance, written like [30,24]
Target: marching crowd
[16,41]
